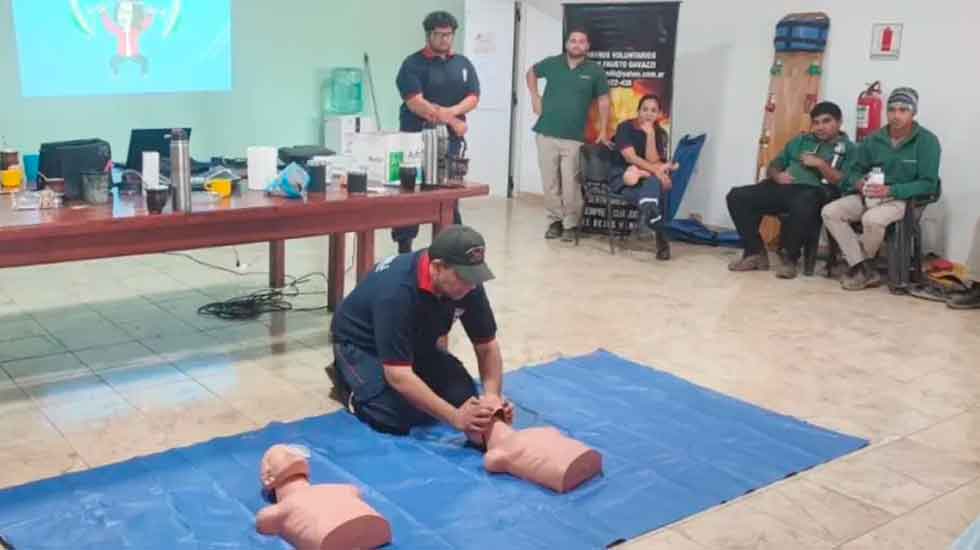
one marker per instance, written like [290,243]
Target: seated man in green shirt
[908,154]
[802,179]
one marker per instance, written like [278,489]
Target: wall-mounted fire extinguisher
[869,111]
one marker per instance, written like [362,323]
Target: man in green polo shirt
[908,154]
[801,180]
[573,83]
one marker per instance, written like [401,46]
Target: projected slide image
[97,47]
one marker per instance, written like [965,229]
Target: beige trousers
[838,216]
[561,175]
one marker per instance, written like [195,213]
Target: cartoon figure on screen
[128,22]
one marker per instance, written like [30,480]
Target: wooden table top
[130,210]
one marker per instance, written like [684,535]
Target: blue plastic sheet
[671,449]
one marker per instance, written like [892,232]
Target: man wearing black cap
[389,368]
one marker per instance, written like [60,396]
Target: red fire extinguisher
[869,111]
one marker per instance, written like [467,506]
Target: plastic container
[343,92]
[876,178]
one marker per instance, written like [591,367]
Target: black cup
[318,178]
[157,198]
[357,183]
[408,175]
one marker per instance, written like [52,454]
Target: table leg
[277,264]
[336,270]
[446,217]
[365,253]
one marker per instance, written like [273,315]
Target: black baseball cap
[462,248]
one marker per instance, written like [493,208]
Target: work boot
[788,269]
[967,300]
[568,234]
[860,277]
[554,231]
[752,262]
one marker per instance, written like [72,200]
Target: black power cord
[267,300]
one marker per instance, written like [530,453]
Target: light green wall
[281,50]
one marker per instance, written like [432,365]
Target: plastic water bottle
[876,178]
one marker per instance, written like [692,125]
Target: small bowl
[157,199]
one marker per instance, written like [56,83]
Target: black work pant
[748,204]
[384,409]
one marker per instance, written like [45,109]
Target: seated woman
[639,172]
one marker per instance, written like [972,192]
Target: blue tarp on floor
[671,449]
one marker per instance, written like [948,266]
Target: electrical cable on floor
[266,300]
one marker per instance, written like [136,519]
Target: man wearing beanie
[389,367]
[908,154]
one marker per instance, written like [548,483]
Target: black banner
[635,43]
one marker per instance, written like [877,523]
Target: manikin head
[282,463]
[495,403]
[440,29]
[825,120]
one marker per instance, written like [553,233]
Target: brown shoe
[787,269]
[754,262]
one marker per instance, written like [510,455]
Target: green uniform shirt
[911,169]
[568,95]
[789,159]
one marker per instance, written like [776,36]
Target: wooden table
[124,228]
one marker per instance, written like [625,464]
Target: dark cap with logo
[463,249]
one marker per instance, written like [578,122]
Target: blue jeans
[407,234]
[384,409]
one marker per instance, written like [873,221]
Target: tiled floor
[106,360]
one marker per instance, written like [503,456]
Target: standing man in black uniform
[437,87]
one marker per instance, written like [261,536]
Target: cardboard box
[383,153]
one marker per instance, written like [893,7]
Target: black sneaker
[968,300]
[568,234]
[554,231]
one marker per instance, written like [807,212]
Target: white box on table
[383,153]
[339,132]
